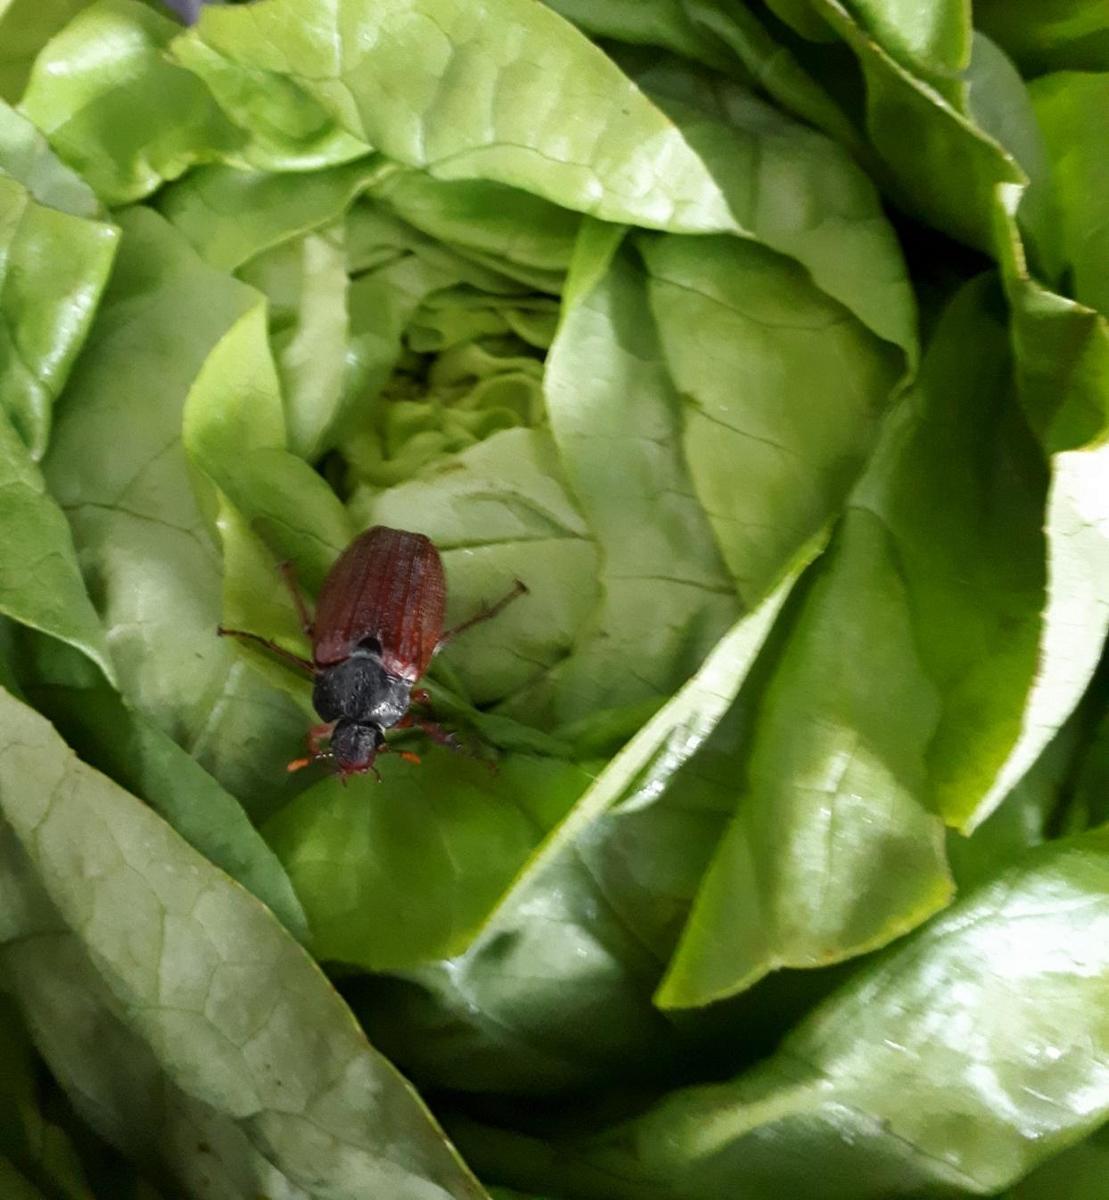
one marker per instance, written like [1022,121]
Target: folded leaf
[111,104]
[901,690]
[40,580]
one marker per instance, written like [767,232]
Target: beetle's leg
[298,764]
[519,588]
[280,651]
[421,696]
[316,735]
[288,573]
[438,734]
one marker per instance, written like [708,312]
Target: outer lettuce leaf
[944,167]
[1061,353]
[129,951]
[491,220]
[957,1062]
[469,91]
[726,36]
[139,756]
[900,691]
[1028,816]
[117,467]
[793,189]
[40,581]
[931,38]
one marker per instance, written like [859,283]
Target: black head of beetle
[354,746]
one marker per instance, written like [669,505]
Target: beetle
[378,624]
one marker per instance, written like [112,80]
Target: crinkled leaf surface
[963,1058]
[129,951]
[139,756]
[506,91]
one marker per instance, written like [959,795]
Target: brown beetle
[378,624]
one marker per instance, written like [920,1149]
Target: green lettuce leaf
[127,949]
[54,262]
[554,991]
[1050,35]
[117,467]
[25,27]
[139,756]
[109,102]
[954,1064]
[939,556]
[416,81]
[1069,106]
[405,873]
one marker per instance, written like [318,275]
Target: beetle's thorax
[359,689]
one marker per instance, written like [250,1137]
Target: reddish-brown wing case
[387,585]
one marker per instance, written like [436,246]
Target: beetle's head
[354,746]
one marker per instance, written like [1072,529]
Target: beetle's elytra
[378,624]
